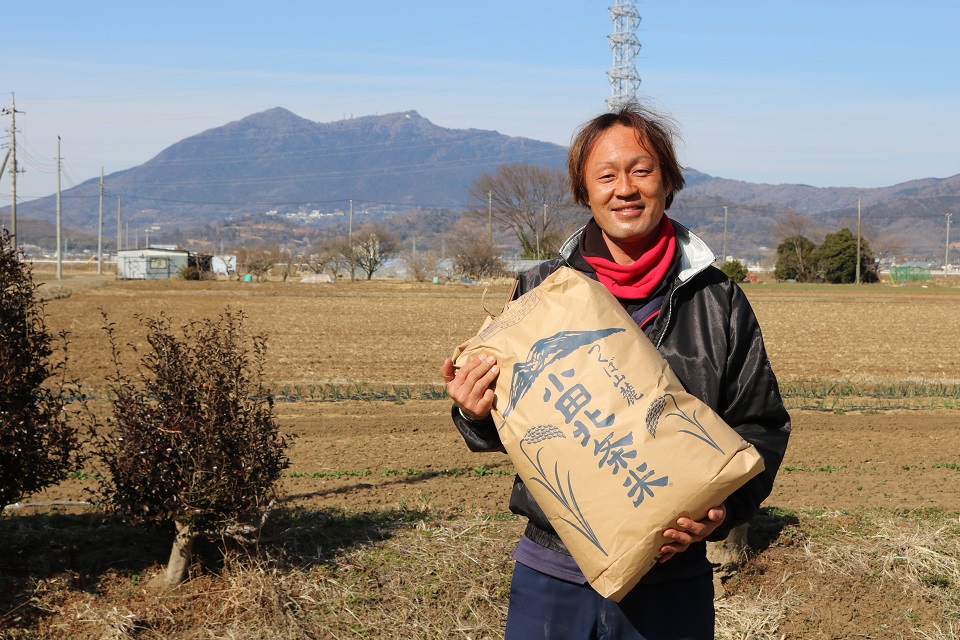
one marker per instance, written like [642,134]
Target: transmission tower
[624,81]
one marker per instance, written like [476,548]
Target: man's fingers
[447,371]
[471,386]
[481,372]
[718,514]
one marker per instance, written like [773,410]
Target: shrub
[193,439]
[37,446]
[735,270]
[190,273]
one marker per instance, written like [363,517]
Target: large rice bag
[600,429]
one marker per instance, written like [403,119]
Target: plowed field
[368,455]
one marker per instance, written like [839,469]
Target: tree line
[835,260]
[531,207]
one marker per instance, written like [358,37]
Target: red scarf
[639,280]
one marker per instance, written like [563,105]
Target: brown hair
[655,130]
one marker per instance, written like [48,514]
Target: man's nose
[624,185]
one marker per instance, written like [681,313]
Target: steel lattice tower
[624,81]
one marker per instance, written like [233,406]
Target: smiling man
[623,167]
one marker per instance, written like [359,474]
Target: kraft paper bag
[600,429]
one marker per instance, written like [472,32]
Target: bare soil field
[859,477]
[397,333]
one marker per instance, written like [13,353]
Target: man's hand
[689,531]
[471,387]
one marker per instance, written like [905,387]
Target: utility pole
[490,216]
[100,228]
[858,241]
[13,164]
[946,255]
[59,245]
[119,231]
[353,275]
[543,227]
[724,235]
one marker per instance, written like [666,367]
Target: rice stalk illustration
[542,433]
[655,413]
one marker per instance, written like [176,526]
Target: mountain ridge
[278,160]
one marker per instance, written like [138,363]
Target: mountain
[401,162]
[278,160]
[905,220]
[805,198]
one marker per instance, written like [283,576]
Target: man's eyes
[640,172]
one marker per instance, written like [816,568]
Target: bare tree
[420,265]
[532,202]
[886,246]
[258,260]
[474,257]
[329,258]
[372,246]
[289,264]
[791,224]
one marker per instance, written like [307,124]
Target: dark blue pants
[542,607]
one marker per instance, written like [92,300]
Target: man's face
[625,192]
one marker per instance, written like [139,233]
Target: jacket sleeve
[480,435]
[753,407]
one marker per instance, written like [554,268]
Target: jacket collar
[695,255]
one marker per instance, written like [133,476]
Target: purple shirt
[552,563]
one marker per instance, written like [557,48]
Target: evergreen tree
[37,446]
[796,259]
[735,270]
[837,258]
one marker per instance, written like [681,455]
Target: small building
[224,265]
[151,263]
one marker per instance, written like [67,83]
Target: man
[623,167]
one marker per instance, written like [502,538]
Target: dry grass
[917,556]
[395,574]
[418,574]
[847,560]
[950,632]
[758,618]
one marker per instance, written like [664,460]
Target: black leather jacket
[709,335]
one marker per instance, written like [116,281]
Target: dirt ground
[384,332]
[363,456]
[368,456]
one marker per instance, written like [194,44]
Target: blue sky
[830,93]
